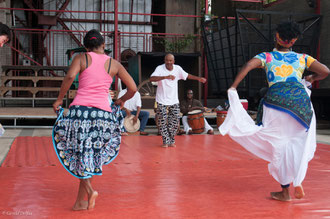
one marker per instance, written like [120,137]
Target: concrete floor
[323,136]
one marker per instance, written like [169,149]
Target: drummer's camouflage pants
[168,120]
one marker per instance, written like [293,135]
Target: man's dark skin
[189,107]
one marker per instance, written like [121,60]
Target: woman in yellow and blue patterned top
[285,113]
[284,66]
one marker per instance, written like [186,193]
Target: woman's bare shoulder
[79,56]
[114,61]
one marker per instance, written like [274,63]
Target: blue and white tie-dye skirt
[87,138]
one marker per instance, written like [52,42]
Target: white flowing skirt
[281,140]
[2,130]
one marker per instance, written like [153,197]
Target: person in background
[286,135]
[190,104]
[179,132]
[133,106]
[5,34]
[167,75]
[88,137]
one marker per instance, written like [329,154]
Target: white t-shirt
[133,103]
[167,89]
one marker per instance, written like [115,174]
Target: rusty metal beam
[57,14]
[108,21]
[100,9]
[26,56]
[62,8]
[116,38]
[131,16]
[20,21]
[61,21]
[70,33]
[30,5]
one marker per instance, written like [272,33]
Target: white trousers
[281,140]
[186,126]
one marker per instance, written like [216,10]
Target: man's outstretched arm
[193,77]
[159,78]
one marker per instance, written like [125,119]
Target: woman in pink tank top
[88,136]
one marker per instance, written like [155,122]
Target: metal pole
[318,52]
[101,15]
[115,40]
[206,73]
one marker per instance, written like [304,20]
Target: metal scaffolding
[43,31]
[127,29]
[228,47]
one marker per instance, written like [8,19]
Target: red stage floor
[203,177]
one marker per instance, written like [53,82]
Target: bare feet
[299,192]
[91,200]
[79,206]
[210,132]
[281,196]
[172,145]
[124,134]
[164,145]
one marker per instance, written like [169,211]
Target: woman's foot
[91,200]
[299,192]
[281,196]
[80,206]
[164,145]
[172,145]
[210,132]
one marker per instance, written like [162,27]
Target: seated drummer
[189,104]
[133,106]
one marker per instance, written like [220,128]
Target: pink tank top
[94,84]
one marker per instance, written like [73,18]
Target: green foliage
[177,45]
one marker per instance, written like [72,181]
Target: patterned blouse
[284,66]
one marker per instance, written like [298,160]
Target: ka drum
[196,121]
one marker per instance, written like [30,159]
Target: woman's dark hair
[5,30]
[93,39]
[288,30]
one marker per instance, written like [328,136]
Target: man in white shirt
[133,106]
[167,75]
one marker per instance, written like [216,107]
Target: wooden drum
[221,116]
[196,121]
